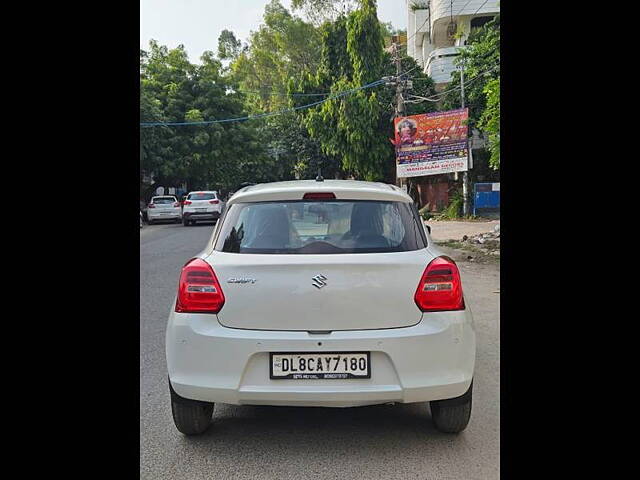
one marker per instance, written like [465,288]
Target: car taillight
[440,287]
[187,202]
[318,196]
[198,289]
[177,204]
[214,201]
[151,205]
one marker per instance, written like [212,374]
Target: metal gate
[486,196]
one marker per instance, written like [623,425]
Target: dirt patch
[456,230]
[467,252]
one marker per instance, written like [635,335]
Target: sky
[197,23]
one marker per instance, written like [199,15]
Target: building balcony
[439,64]
[441,9]
[422,25]
[463,11]
[418,32]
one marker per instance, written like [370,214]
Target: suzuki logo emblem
[319,281]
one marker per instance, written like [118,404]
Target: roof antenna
[319,177]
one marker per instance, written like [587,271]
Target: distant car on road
[320,294]
[165,207]
[201,206]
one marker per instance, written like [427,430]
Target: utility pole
[465,174]
[399,100]
[400,110]
[399,83]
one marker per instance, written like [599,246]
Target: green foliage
[364,43]
[283,56]
[344,136]
[490,121]
[319,11]
[386,29]
[335,61]
[482,54]
[482,90]
[460,31]
[454,209]
[204,156]
[419,5]
[280,51]
[352,127]
[228,46]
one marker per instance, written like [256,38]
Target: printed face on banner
[431,143]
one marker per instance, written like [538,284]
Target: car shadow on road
[325,430]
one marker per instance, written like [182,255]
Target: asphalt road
[386,441]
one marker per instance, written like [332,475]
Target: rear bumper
[169,216]
[433,360]
[201,215]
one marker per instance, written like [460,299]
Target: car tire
[185,222]
[452,415]
[149,222]
[191,417]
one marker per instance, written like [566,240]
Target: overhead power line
[435,97]
[465,6]
[284,93]
[416,32]
[404,73]
[267,114]
[485,1]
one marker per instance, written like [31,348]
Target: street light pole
[465,174]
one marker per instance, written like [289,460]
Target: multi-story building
[436,29]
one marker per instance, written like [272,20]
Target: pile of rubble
[488,242]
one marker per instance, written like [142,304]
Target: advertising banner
[431,143]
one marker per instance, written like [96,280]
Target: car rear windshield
[320,227]
[201,196]
[163,200]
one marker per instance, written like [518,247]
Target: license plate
[201,209]
[319,366]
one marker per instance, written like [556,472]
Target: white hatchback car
[199,206]
[164,207]
[326,294]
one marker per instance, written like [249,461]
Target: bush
[454,209]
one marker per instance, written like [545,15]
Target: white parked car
[199,206]
[165,207]
[327,294]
